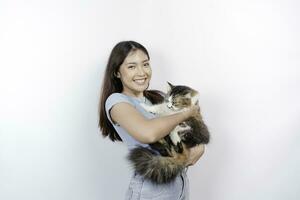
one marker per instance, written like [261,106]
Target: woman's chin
[141,87]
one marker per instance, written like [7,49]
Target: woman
[127,77]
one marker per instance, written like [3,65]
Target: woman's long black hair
[112,84]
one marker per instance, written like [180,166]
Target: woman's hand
[192,111]
[194,154]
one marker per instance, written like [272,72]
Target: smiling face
[135,73]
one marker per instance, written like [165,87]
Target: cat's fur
[172,157]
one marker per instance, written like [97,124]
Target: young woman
[127,77]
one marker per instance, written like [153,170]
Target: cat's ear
[169,87]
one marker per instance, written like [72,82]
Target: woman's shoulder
[116,95]
[115,98]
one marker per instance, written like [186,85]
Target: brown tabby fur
[165,159]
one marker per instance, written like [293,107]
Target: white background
[242,55]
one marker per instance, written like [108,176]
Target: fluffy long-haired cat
[164,166]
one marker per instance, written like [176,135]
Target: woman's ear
[117,74]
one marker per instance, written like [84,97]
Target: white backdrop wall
[243,56]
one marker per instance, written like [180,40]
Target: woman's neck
[138,95]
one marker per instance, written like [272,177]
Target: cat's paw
[174,136]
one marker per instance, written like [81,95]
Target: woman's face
[135,73]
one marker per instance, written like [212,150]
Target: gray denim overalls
[141,189]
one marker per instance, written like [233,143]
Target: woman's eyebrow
[135,62]
[131,63]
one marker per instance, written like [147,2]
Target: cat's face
[180,97]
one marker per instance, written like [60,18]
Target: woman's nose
[141,71]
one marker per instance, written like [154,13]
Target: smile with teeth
[140,81]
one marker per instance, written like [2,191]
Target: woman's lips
[140,81]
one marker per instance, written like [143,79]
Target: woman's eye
[146,64]
[131,67]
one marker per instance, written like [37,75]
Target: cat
[168,156]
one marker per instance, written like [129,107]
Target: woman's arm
[195,154]
[147,130]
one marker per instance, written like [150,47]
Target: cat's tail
[158,169]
